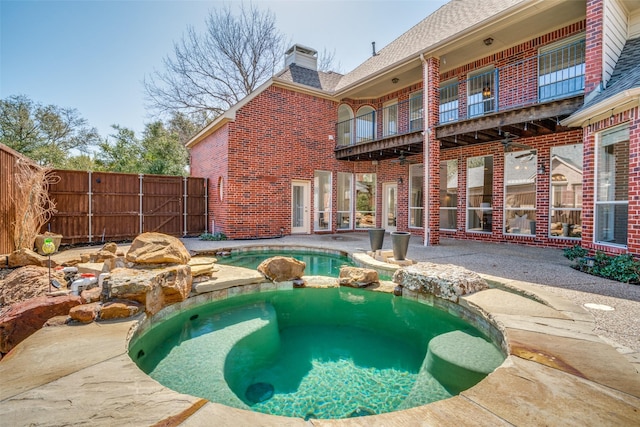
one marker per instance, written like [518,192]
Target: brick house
[514,122]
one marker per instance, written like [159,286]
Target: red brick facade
[282,135]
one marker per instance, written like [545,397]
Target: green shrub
[622,268]
[215,236]
[575,252]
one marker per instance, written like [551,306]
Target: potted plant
[400,242]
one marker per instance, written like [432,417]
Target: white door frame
[301,212]
[386,187]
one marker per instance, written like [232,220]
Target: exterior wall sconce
[488,41]
[399,181]
[541,169]
[395,80]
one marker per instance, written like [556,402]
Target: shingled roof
[448,21]
[326,81]
[626,74]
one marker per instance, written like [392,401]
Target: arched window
[345,125]
[365,124]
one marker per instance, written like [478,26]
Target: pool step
[459,360]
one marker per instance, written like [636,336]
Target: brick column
[593,47]
[431,98]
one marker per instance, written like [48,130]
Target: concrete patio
[567,365]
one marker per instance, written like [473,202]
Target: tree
[162,151]
[209,73]
[159,152]
[44,133]
[120,154]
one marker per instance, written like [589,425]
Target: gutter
[615,104]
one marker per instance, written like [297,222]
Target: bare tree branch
[210,72]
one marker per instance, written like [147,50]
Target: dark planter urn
[376,238]
[400,241]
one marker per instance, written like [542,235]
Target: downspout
[426,133]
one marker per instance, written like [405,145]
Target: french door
[300,207]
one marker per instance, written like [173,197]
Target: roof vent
[302,56]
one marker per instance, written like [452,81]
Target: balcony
[526,98]
[383,133]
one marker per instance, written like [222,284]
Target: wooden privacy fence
[8,160]
[104,206]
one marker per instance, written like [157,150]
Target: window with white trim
[480,194]
[449,101]
[612,187]
[416,199]
[365,124]
[448,194]
[390,118]
[561,68]
[520,173]
[344,200]
[322,200]
[565,212]
[344,126]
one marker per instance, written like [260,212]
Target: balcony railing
[398,119]
[553,75]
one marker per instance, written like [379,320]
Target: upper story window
[343,128]
[365,124]
[449,101]
[561,69]
[390,118]
[416,109]
[481,92]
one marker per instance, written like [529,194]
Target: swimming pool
[318,263]
[313,353]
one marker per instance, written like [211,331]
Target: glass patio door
[300,207]
[389,206]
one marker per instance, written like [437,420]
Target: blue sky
[93,55]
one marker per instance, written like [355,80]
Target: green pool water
[309,353]
[318,263]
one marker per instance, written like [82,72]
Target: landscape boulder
[85,313]
[281,269]
[24,318]
[23,257]
[154,288]
[445,281]
[157,248]
[356,277]
[27,282]
[120,309]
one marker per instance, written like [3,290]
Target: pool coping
[557,371]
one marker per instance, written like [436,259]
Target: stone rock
[154,288]
[281,269]
[110,247]
[356,277]
[119,309]
[157,248]
[27,282]
[85,313]
[113,263]
[23,257]
[102,256]
[445,281]
[24,318]
[91,295]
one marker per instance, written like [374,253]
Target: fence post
[184,209]
[141,213]
[90,213]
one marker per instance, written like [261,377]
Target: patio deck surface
[566,364]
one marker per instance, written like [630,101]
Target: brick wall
[594,45]
[543,145]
